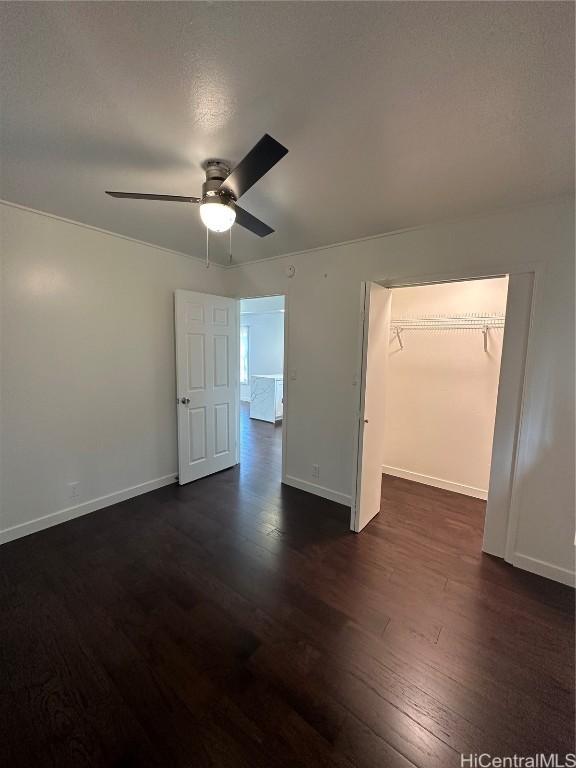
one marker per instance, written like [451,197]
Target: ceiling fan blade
[141,196]
[263,156]
[251,223]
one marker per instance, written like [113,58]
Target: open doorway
[443,371]
[261,411]
[230,387]
[440,394]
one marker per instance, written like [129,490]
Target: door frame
[518,459]
[285,397]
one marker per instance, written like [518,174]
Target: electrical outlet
[74,490]
[315,471]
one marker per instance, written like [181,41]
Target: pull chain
[207,246]
[230,246]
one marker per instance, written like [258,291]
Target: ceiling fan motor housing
[216,172]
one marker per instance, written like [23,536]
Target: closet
[442,384]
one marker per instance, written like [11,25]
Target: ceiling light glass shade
[217,216]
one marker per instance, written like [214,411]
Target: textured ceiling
[395,114]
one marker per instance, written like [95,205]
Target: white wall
[87,359]
[323,300]
[441,388]
[266,339]
[88,384]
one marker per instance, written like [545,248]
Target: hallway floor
[260,448]
[238,622]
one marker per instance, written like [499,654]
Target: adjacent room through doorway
[261,388]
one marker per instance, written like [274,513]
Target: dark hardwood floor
[236,622]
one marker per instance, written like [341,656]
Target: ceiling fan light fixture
[217,215]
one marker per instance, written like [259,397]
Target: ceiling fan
[223,187]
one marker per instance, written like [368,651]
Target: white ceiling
[395,114]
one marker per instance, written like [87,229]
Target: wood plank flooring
[236,622]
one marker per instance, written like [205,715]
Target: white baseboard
[318,490]
[54,518]
[447,485]
[543,568]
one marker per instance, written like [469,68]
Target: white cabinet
[266,393]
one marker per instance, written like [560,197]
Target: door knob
[185,401]
[365,421]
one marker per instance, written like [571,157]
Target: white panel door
[374,362]
[207,381]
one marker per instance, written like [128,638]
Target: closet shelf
[466,322]
[445,322]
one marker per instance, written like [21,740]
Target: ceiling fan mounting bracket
[216,172]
